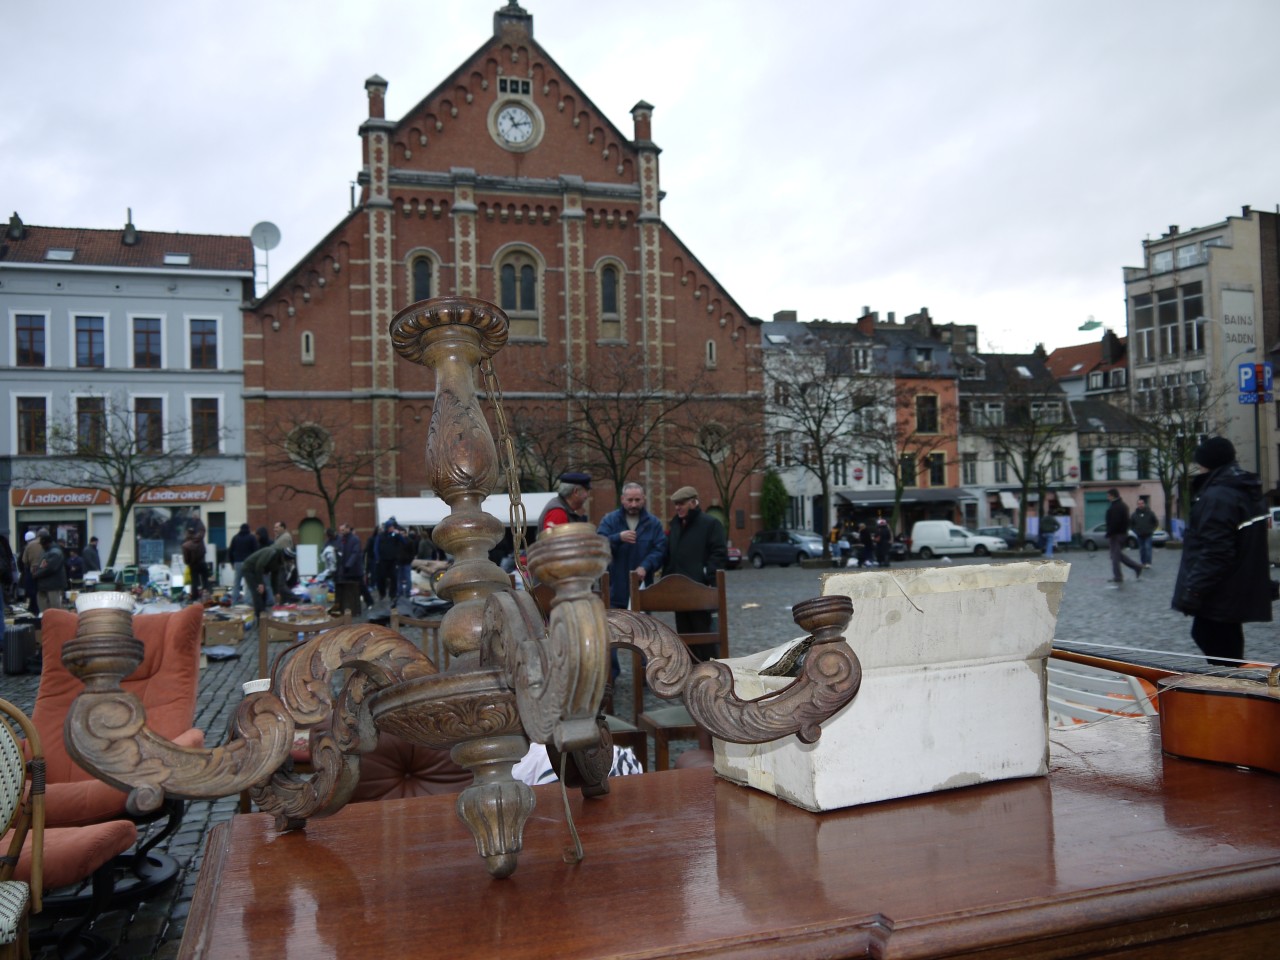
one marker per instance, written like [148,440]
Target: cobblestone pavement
[1135,613]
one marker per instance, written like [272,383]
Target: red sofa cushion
[171,643]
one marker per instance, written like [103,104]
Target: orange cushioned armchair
[166,682]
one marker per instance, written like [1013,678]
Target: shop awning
[1008,500]
[881,498]
[1066,500]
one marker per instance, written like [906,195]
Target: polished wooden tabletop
[1119,848]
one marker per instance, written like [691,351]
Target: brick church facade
[508,184]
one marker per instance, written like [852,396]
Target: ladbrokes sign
[58,497]
[75,497]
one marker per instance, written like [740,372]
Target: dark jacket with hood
[242,544]
[1225,572]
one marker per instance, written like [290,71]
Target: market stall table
[1119,849]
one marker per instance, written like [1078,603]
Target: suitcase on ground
[19,646]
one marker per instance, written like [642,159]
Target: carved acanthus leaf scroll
[829,678]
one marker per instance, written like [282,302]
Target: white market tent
[428,511]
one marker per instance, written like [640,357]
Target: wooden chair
[271,630]
[1078,693]
[429,636]
[21,811]
[39,858]
[676,593]
[624,733]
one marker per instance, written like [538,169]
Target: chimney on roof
[130,231]
[867,322]
[891,316]
[376,87]
[1039,352]
[785,316]
[642,118]
[513,23]
[1173,230]
[1246,211]
[15,230]
[1112,350]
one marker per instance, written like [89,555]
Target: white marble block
[953,688]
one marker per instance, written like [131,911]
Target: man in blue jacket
[638,544]
[637,541]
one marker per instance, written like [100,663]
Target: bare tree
[818,404]
[1169,422]
[314,463]
[1028,424]
[727,438]
[541,439]
[617,416]
[903,432]
[122,452]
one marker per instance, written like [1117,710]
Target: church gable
[510,110]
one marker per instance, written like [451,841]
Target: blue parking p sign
[1251,390]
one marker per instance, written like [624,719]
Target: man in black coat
[1224,580]
[696,547]
[1118,535]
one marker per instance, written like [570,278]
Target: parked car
[1006,533]
[942,537]
[1096,537]
[783,547]
[735,557]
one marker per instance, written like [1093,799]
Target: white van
[941,537]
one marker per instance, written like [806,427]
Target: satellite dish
[265,235]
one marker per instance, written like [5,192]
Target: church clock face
[515,125]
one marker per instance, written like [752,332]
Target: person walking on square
[92,561]
[1048,532]
[1144,524]
[242,545]
[866,549]
[50,573]
[1117,534]
[884,542]
[193,555]
[27,561]
[1224,579]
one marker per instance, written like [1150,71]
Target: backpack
[1049,525]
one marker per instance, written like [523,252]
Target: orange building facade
[508,184]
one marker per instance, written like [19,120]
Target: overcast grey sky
[998,161]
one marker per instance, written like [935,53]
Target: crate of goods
[952,693]
[223,632]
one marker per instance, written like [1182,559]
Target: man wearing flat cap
[1224,580]
[696,547]
[570,502]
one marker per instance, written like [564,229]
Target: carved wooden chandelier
[513,678]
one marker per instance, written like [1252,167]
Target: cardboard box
[223,632]
[953,688]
